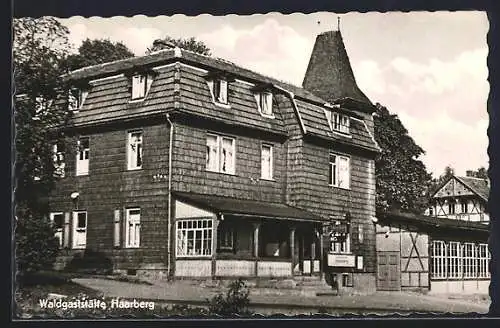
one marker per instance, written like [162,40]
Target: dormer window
[76,98]
[338,122]
[218,84]
[140,85]
[265,101]
[220,91]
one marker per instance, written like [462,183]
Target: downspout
[169,210]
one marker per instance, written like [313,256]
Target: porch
[225,237]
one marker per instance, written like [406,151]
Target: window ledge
[82,174]
[193,257]
[342,134]
[337,187]
[134,168]
[225,173]
[267,115]
[138,100]
[265,179]
[222,105]
[132,247]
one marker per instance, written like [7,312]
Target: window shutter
[66,236]
[117,238]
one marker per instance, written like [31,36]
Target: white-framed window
[266,162]
[341,246]
[225,235]
[451,207]
[82,156]
[469,260]
[57,220]
[58,151]
[134,150]
[361,234]
[265,102]
[76,98]
[220,155]
[439,259]
[464,206]
[483,261]
[79,229]
[338,122]
[220,91]
[454,260]
[133,227]
[339,171]
[194,238]
[139,86]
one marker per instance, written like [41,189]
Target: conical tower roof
[329,74]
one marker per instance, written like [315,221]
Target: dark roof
[478,185]
[316,123]
[431,222]
[329,74]
[244,207]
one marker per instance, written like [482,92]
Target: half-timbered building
[444,251]
[188,166]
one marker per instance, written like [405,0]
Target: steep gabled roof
[479,186]
[329,74]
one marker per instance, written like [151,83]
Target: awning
[431,222]
[247,208]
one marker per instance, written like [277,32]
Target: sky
[428,68]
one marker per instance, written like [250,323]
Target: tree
[93,52]
[402,180]
[190,44]
[39,50]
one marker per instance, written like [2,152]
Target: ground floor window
[79,229]
[133,228]
[194,237]
[457,260]
[57,220]
[225,236]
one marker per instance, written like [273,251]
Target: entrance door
[388,273]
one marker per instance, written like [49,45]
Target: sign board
[341,260]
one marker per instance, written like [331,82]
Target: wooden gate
[388,273]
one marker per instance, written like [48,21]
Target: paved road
[290,300]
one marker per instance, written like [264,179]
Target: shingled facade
[185,165]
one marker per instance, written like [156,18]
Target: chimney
[470,173]
[165,44]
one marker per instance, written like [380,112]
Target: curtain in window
[223,91]
[344,176]
[227,158]
[266,162]
[138,86]
[212,153]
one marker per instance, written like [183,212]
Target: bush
[235,301]
[36,246]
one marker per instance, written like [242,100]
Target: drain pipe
[169,210]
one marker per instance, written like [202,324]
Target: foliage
[235,301]
[93,52]
[39,49]
[190,44]
[402,180]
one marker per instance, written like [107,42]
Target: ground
[191,298]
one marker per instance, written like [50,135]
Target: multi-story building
[185,165]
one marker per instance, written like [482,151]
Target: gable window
[58,159]
[339,171]
[82,156]
[57,220]
[133,228]
[338,122]
[79,229]
[220,91]
[134,150]
[220,154]
[265,101]
[194,238]
[267,162]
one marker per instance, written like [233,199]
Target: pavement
[268,300]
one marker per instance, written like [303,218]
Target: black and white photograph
[330,164]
